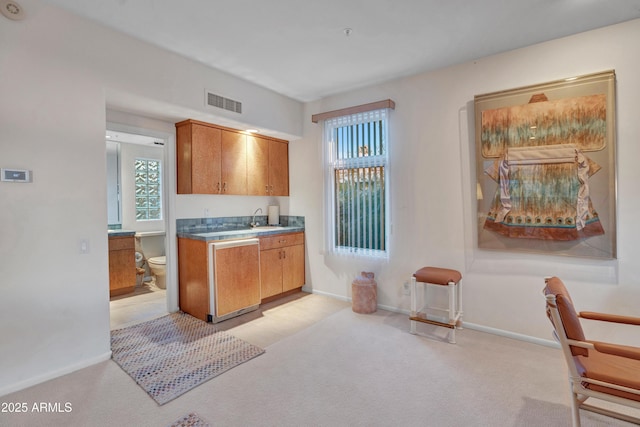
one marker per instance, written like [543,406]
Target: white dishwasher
[234,278]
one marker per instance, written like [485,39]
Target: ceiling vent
[221,102]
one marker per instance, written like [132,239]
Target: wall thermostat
[15,175]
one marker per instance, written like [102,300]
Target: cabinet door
[279,168]
[292,267]
[193,279]
[122,265]
[205,159]
[237,278]
[271,272]
[234,163]
[183,158]
[257,166]
[122,271]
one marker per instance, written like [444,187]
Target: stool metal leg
[452,311]
[414,304]
[459,323]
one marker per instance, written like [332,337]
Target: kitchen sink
[268,227]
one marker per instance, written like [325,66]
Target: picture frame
[546,168]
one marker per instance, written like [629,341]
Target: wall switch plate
[15,175]
[84,246]
[406,289]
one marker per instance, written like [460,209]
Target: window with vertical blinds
[356,183]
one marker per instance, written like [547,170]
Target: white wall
[59,73]
[432,210]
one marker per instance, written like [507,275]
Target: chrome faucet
[254,223]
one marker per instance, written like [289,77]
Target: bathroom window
[148,191]
[356,182]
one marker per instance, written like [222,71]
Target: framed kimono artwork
[545,168]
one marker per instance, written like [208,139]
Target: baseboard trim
[54,374]
[326,294]
[473,326]
[512,335]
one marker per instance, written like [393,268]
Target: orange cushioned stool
[439,277]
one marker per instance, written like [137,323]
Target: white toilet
[158,266]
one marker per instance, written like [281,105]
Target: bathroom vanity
[228,273]
[122,263]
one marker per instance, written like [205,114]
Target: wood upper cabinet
[268,166]
[234,163]
[258,166]
[216,160]
[279,168]
[198,154]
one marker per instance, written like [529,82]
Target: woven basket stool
[438,277]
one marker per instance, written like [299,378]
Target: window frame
[160,197]
[333,164]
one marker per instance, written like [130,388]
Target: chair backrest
[570,321]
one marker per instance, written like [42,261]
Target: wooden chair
[610,372]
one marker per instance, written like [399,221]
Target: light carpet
[346,370]
[190,420]
[173,354]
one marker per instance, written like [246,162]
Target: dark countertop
[244,233]
[121,233]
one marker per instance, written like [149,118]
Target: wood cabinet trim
[281,240]
[192,121]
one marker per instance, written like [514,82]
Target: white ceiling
[299,48]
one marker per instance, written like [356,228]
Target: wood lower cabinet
[292,267]
[281,263]
[235,272]
[122,265]
[193,281]
[238,281]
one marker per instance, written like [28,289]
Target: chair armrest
[616,318]
[617,350]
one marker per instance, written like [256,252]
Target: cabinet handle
[224,187]
[266,189]
[279,254]
[284,254]
[218,186]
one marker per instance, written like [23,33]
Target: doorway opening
[137,216]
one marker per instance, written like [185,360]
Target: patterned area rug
[191,420]
[170,355]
